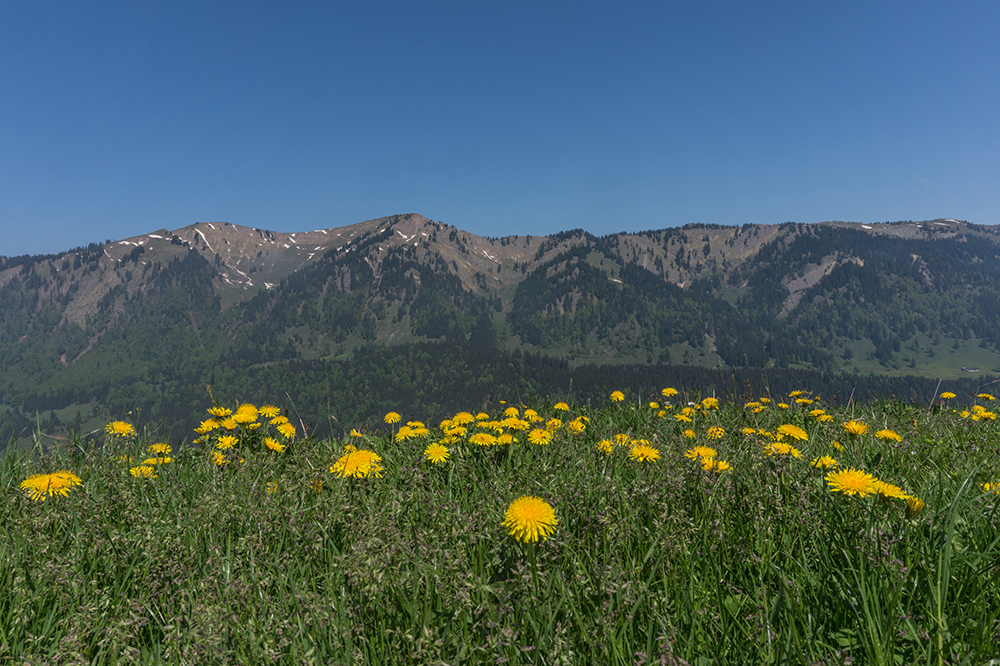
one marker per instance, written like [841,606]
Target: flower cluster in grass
[228,434]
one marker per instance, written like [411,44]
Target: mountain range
[145,323]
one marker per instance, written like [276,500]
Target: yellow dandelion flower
[947,395]
[269,411]
[286,430]
[43,486]
[855,428]
[120,429]
[751,405]
[838,446]
[483,439]
[804,401]
[825,462]
[540,437]
[713,465]
[765,401]
[278,420]
[159,448]
[436,453]
[529,518]
[985,396]
[161,460]
[793,431]
[576,426]
[482,416]
[816,413]
[710,403]
[229,423]
[888,435]
[392,417]
[354,433]
[749,431]
[682,418]
[244,417]
[226,442]
[617,396]
[914,505]
[782,405]
[553,424]
[273,444]
[825,418]
[991,487]
[358,463]
[690,434]
[143,472]
[715,432]
[404,433]
[462,418]
[644,453]
[561,407]
[668,392]
[795,394]
[506,439]
[888,491]
[654,405]
[511,412]
[782,449]
[220,412]
[851,482]
[219,458]
[700,452]
[606,446]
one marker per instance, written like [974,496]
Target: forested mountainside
[142,325]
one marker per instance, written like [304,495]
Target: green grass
[657,562]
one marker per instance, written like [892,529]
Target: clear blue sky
[498,117]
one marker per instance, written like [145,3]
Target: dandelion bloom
[851,482]
[816,413]
[229,423]
[855,428]
[392,417]
[462,418]
[143,472]
[358,463]
[914,505]
[220,412]
[748,431]
[765,401]
[218,458]
[561,406]
[617,396]
[511,412]
[287,430]
[226,442]
[437,453]
[700,452]
[553,424]
[947,395]
[668,392]
[483,439]
[782,405]
[710,403]
[715,432]
[713,465]
[793,431]
[782,449]
[162,460]
[644,453]
[530,517]
[576,426]
[506,439]
[273,444]
[825,462]
[654,405]
[751,405]
[482,416]
[888,435]
[838,446]
[682,418]
[539,436]
[825,418]
[888,491]
[985,396]
[606,446]
[355,433]
[991,488]
[795,394]
[159,448]
[690,434]
[43,486]
[269,411]
[120,429]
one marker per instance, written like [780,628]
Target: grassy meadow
[663,529]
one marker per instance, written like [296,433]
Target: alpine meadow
[398,442]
